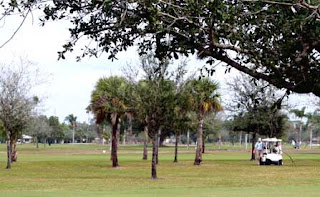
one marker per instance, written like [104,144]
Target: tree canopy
[277,41]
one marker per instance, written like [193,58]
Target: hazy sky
[69,83]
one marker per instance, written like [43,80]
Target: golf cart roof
[271,140]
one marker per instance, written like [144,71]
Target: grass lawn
[83,170]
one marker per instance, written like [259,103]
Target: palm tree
[72,120]
[109,101]
[313,123]
[205,100]
[300,114]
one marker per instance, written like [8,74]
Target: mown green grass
[83,170]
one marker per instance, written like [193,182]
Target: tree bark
[118,134]
[145,148]
[114,147]
[73,128]
[203,144]
[130,139]
[188,139]
[8,149]
[253,155]
[176,148]
[154,157]
[300,133]
[37,142]
[14,153]
[13,147]
[157,148]
[198,158]
[311,129]
[219,141]
[124,136]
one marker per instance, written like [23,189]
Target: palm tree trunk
[198,158]
[154,156]
[73,127]
[114,154]
[145,150]
[8,149]
[176,148]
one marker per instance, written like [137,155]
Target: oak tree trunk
[8,149]
[124,136]
[203,144]
[176,148]
[253,155]
[13,148]
[198,158]
[188,139]
[37,142]
[14,153]
[130,139]
[157,148]
[154,157]
[220,142]
[145,149]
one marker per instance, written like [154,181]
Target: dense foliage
[277,41]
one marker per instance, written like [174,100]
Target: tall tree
[205,99]
[72,121]
[109,101]
[300,114]
[155,100]
[57,131]
[16,102]
[256,108]
[313,124]
[39,127]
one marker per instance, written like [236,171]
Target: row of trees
[165,103]
[50,130]
[159,102]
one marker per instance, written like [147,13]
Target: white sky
[69,82]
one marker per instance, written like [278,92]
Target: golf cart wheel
[261,162]
[280,162]
[268,162]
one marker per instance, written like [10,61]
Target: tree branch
[16,31]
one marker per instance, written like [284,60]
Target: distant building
[25,139]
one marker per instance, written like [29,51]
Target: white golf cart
[272,152]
